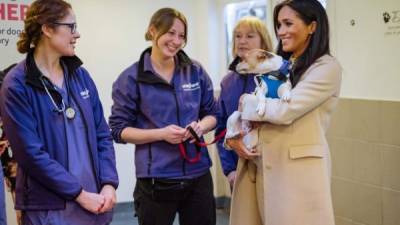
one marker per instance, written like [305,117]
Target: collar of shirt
[146,72]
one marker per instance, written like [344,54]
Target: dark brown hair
[39,13]
[308,11]
[162,21]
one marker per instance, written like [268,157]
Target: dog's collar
[285,68]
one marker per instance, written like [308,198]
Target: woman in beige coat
[287,180]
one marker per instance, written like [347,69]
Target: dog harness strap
[283,72]
[285,68]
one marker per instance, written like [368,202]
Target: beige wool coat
[291,183]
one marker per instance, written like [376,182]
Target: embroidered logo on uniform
[191,86]
[85,94]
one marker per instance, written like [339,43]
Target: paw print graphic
[386,17]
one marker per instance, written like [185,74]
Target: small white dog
[272,81]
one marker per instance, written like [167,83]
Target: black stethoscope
[69,111]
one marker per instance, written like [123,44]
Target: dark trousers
[157,202]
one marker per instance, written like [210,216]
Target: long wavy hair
[308,11]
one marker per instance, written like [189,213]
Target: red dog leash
[198,144]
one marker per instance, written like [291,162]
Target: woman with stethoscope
[54,121]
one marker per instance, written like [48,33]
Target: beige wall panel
[342,194]
[367,204]
[390,122]
[365,124]
[341,119]
[343,221]
[342,157]
[367,163]
[391,166]
[391,206]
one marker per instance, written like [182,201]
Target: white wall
[206,36]
[369,55]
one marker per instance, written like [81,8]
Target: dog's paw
[261,108]
[286,97]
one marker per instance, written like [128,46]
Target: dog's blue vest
[282,75]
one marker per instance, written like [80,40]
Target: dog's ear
[269,55]
[261,56]
[264,55]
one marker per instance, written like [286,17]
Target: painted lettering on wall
[13,11]
[392,21]
[12,15]
[5,34]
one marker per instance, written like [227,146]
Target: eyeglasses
[72,26]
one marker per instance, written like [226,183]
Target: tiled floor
[123,215]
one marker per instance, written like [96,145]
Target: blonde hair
[162,20]
[256,25]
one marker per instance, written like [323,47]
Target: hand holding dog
[241,99]
[239,147]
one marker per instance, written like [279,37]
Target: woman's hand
[240,107]
[92,202]
[239,147]
[110,198]
[200,127]
[173,134]
[256,124]
[197,128]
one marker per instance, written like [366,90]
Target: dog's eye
[261,56]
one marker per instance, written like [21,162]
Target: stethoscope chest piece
[70,113]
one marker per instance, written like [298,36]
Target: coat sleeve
[322,82]
[105,149]
[28,148]
[228,158]
[125,105]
